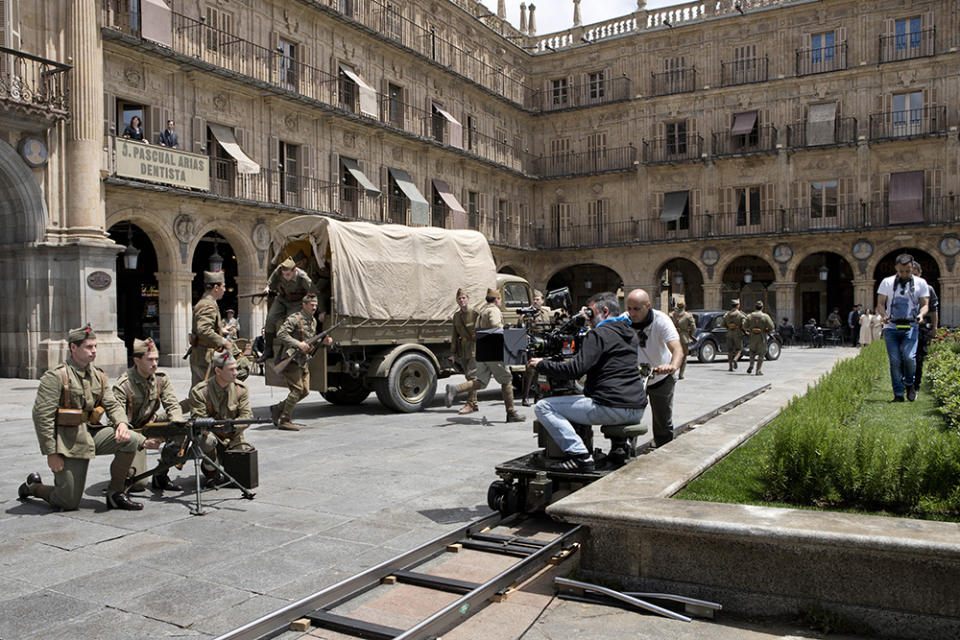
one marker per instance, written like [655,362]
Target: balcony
[34,87]
[909,123]
[356,203]
[821,59]
[678,81]
[585,163]
[601,91]
[844,133]
[745,71]
[763,139]
[905,46]
[672,150]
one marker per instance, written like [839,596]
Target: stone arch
[585,279]
[161,236]
[23,209]
[733,281]
[691,285]
[885,248]
[247,262]
[815,297]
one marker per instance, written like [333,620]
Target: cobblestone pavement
[355,487]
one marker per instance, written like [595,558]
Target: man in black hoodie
[613,393]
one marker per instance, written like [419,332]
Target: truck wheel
[707,352]
[410,385]
[350,392]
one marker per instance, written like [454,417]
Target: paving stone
[250,609]
[58,531]
[116,585]
[186,601]
[112,624]
[34,611]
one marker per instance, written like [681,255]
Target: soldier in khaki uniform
[733,321]
[686,325]
[207,336]
[223,397]
[290,284]
[491,318]
[66,415]
[758,326]
[463,343]
[143,390]
[544,314]
[293,335]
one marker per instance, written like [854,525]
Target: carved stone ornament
[261,236]
[290,122]
[597,187]
[950,245]
[862,249]
[710,256]
[783,253]
[185,228]
[220,102]
[132,76]
[99,280]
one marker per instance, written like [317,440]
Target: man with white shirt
[902,301]
[661,354]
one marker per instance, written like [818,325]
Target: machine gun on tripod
[190,433]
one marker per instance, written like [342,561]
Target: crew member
[66,415]
[928,329]
[207,337]
[903,301]
[733,321]
[613,392]
[142,390]
[686,326]
[463,344]
[758,326]
[222,397]
[294,334]
[659,353]
[290,284]
[491,318]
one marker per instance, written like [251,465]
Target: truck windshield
[515,295]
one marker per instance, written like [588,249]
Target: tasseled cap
[288,264]
[222,359]
[142,347]
[81,334]
[493,293]
[213,277]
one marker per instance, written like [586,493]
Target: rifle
[282,364]
[254,296]
[195,426]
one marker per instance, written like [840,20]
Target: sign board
[161,164]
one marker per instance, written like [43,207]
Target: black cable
[542,611]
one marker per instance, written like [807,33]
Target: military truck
[395,289]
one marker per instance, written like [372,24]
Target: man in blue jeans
[902,302]
[613,392]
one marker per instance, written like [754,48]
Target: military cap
[222,359]
[493,293]
[537,293]
[310,297]
[142,347]
[461,292]
[759,304]
[288,264]
[681,306]
[735,302]
[300,256]
[81,334]
[213,277]
[231,311]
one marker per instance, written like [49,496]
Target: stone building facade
[769,149]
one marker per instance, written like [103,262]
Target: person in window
[134,130]
[168,137]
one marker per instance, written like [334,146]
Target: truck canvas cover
[395,272]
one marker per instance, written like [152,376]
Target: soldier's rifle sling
[280,366]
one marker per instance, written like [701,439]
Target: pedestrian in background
[853,325]
[733,321]
[928,329]
[903,300]
[758,326]
[686,325]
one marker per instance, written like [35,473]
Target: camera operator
[659,352]
[928,329]
[613,392]
[902,301]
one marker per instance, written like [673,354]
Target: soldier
[491,318]
[544,313]
[463,343]
[686,325]
[206,336]
[66,415]
[733,321]
[231,325]
[293,335]
[223,397]
[143,389]
[758,325]
[290,283]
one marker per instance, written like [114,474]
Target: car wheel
[773,350]
[707,352]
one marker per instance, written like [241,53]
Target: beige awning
[821,124]
[419,207]
[447,196]
[224,136]
[744,123]
[906,197]
[674,204]
[456,129]
[354,168]
[368,95]
[156,22]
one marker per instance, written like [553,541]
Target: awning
[821,121]
[225,137]
[744,123]
[419,207]
[674,204]
[906,197]
[368,95]
[156,22]
[447,196]
[354,168]
[456,129]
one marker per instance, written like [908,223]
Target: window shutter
[307,185]
[927,21]
[110,114]
[200,136]
[694,203]
[769,197]
[795,198]
[889,27]
[839,38]
[692,135]
[273,153]
[845,191]
[155,114]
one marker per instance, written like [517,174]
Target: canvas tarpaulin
[744,123]
[395,272]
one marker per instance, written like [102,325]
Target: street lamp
[130,253]
[824,273]
[748,275]
[587,283]
[678,279]
[216,260]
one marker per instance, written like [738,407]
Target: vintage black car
[710,338]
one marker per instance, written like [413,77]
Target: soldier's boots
[212,478]
[450,395]
[162,482]
[24,491]
[120,500]
[287,425]
[512,415]
[275,412]
[468,408]
[267,349]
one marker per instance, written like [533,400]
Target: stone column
[863,292]
[523,17]
[252,317]
[949,300]
[576,13]
[786,296]
[176,315]
[501,9]
[713,295]
[532,22]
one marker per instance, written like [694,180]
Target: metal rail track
[533,554]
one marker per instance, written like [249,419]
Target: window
[218,25]
[598,85]
[823,199]
[745,131]
[348,92]
[908,113]
[558,92]
[438,124]
[676,210]
[126,111]
[471,126]
[677,138]
[289,155]
[561,223]
[396,105]
[473,208]
[748,206]
[596,149]
[596,212]
[907,33]
[223,167]
[673,75]
[822,49]
[502,216]
[744,62]
[288,64]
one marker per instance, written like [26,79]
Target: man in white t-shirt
[660,353]
[902,301]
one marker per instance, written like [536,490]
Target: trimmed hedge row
[943,368]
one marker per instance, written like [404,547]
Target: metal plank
[440,583]
[495,547]
[496,537]
[352,626]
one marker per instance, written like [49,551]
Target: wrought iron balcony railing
[585,162]
[668,150]
[908,123]
[844,132]
[904,46]
[763,139]
[588,93]
[31,82]
[746,71]
[821,59]
[677,81]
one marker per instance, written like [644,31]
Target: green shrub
[943,368]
